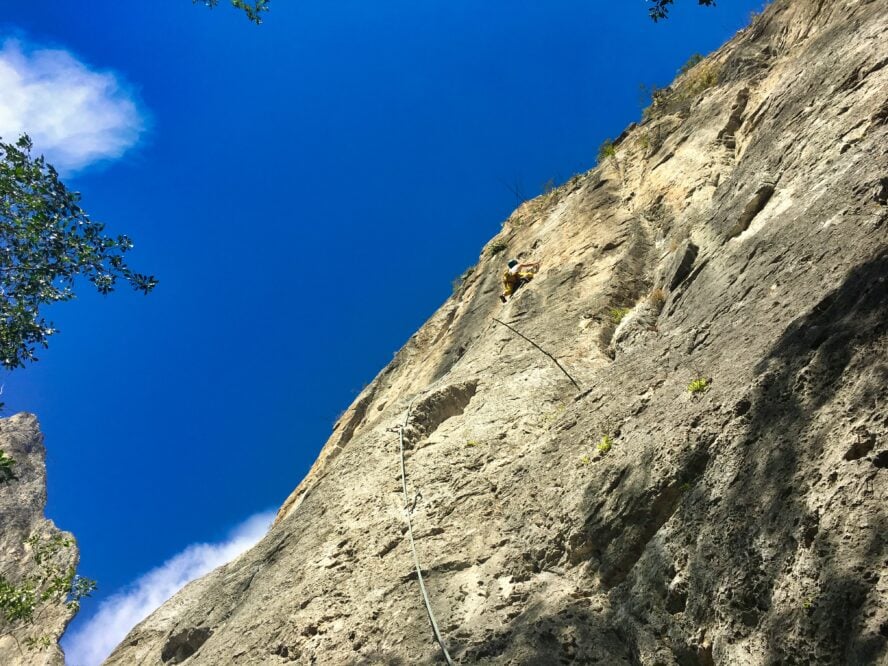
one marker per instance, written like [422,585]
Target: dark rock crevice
[184,644]
[755,206]
[430,412]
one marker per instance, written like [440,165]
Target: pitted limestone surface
[743,226]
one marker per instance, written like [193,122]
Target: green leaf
[47,244]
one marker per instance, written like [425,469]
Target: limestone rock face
[22,503]
[744,223]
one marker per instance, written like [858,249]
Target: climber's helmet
[513,263]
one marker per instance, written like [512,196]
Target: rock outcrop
[743,225]
[22,504]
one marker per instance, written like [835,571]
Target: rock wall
[22,505]
[736,242]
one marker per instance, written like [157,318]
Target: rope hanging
[560,367]
[407,511]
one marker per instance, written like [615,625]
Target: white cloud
[91,643]
[75,115]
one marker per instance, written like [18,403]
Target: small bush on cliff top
[695,59]
[459,281]
[695,78]
[700,79]
[548,187]
[497,247]
[50,584]
[605,150]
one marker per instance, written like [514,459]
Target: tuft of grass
[657,100]
[497,247]
[644,141]
[755,15]
[657,297]
[6,473]
[606,150]
[459,281]
[702,78]
[694,60]
[472,443]
[605,445]
[548,418]
[696,78]
[617,314]
[585,460]
[700,385]
[518,220]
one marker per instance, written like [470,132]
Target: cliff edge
[23,641]
[711,489]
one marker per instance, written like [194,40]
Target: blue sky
[305,191]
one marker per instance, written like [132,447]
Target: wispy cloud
[91,643]
[76,115]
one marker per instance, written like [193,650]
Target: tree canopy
[46,242]
[253,10]
[659,9]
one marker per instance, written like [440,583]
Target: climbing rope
[560,367]
[407,511]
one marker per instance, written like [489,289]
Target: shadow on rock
[817,375]
[573,634]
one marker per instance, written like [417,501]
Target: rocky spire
[26,531]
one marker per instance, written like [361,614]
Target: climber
[517,275]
